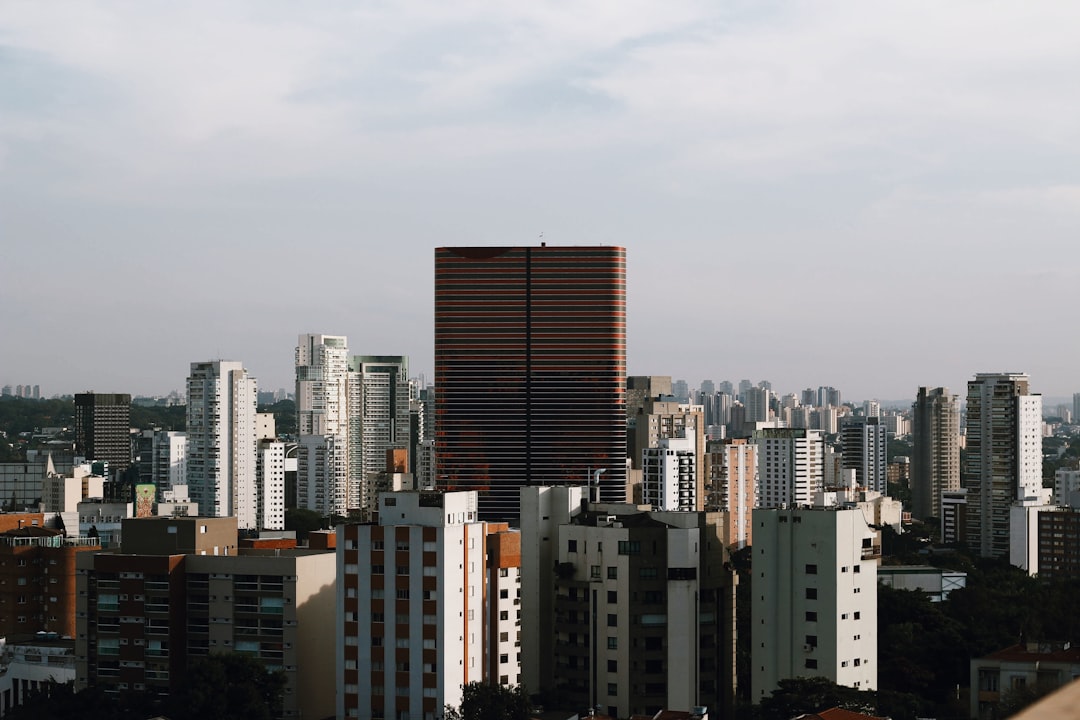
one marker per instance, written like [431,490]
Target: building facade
[325,423]
[790,466]
[1003,462]
[935,461]
[530,370]
[221,446]
[103,428]
[815,598]
[865,445]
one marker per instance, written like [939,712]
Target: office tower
[815,598]
[935,459]
[809,397]
[530,370]
[790,466]
[184,588]
[1003,462]
[670,475]
[410,606]
[1076,407]
[757,400]
[423,461]
[744,385]
[681,390]
[221,433]
[865,448]
[708,387]
[642,608]
[103,428]
[381,398]
[725,386]
[326,481]
[731,471]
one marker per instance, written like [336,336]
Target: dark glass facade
[103,428]
[530,371]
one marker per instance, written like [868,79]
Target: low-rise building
[1045,666]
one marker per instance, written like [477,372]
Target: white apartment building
[669,475]
[814,598]
[1067,487]
[325,422]
[221,450]
[790,466]
[410,606]
[270,469]
[169,459]
[503,600]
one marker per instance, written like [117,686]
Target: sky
[868,195]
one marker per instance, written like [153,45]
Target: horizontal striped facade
[530,370]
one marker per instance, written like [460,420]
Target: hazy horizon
[869,196]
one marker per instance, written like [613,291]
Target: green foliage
[487,701]
[798,696]
[19,415]
[230,685]
[284,416]
[173,417]
[303,521]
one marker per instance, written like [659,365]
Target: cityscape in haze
[547,361]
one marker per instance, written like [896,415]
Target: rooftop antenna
[542,243]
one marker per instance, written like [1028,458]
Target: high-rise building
[530,370]
[1003,462]
[221,430]
[865,446]
[641,607]
[670,475]
[731,471]
[757,400]
[411,606]
[1076,407]
[935,460]
[325,423]
[815,598]
[640,388]
[381,399]
[103,428]
[790,466]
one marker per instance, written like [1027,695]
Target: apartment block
[814,598]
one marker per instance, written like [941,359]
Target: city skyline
[814,194]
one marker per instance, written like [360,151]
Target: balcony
[873,552]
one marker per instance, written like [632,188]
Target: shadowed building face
[530,370]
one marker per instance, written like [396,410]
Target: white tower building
[790,466]
[323,422]
[669,475]
[815,598]
[221,441]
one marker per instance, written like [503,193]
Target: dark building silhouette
[103,428]
[530,370]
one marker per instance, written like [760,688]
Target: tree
[302,521]
[229,685]
[799,696]
[487,701]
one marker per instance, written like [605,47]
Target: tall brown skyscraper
[530,370]
[935,461]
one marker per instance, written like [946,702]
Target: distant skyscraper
[221,432]
[681,390]
[1076,407]
[530,370]
[935,460]
[326,422]
[384,407]
[1003,462]
[757,402]
[103,428]
[865,445]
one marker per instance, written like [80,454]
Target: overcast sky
[869,195]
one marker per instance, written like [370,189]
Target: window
[613,573]
[571,546]
[612,596]
[811,593]
[504,594]
[857,615]
[402,569]
[811,640]
[858,662]
[629,547]
[811,663]
[403,594]
[843,569]
[811,569]
[504,637]
[504,614]
[594,572]
[503,659]
[612,666]
[612,620]
[613,643]
[612,689]
[647,573]
[858,568]
[811,616]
